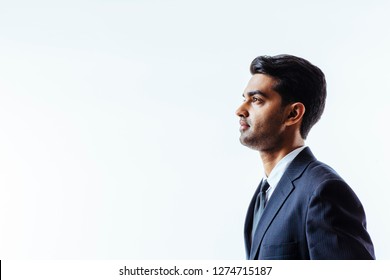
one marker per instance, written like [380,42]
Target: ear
[294,112]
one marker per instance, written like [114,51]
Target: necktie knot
[264,186]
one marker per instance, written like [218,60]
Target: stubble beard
[255,142]
[265,140]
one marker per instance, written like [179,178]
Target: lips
[243,124]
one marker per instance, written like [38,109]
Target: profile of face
[262,116]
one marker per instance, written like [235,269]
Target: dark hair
[297,81]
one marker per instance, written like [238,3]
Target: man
[302,208]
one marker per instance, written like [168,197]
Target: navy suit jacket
[312,214]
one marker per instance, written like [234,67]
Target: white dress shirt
[278,171]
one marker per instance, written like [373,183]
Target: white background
[118,138]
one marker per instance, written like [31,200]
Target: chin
[247,143]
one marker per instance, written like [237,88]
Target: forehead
[261,82]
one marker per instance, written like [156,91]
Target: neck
[271,157]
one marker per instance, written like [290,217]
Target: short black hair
[297,81]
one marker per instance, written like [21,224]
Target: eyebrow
[254,92]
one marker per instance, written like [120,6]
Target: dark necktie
[259,205]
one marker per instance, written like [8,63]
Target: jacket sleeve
[336,224]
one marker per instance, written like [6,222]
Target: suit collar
[281,167]
[282,191]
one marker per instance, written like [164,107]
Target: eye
[256,100]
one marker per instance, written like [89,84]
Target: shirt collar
[278,171]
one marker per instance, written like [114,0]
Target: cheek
[257,116]
[271,122]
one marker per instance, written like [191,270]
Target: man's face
[261,115]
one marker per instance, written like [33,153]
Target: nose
[242,111]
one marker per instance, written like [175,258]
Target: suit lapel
[282,191]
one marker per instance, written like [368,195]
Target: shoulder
[305,166]
[321,172]
[317,178]
[322,181]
